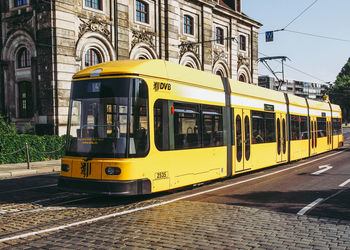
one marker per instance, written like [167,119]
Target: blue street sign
[269,36]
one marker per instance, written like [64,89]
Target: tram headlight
[65,167]
[113,171]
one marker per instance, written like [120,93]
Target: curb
[15,173]
[48,169]
[26,172]
[5,175]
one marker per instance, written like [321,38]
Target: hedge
[41,148]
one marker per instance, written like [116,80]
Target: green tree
[6,128]
[339,93]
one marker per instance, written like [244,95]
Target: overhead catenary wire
[298,70]
[307,33]
[318,36]
[306,9]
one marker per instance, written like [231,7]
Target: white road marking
[25,189]
[308,207]
[158,204]
[323,168]
[344,183]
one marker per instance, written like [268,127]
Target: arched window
[219,73]
[242,78]
[92,57]
[23,58]
[96,4]
[18,3]
[25,100]
[188,25]
[142,12]
[219,35]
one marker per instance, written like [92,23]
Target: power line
[298,70]
[318,36]
[300,14]
[305,33]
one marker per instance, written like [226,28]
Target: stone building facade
[44,42]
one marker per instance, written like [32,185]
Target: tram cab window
[161,124]
[321,127]
[263,127]
[109,118]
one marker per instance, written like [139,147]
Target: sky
[312,59]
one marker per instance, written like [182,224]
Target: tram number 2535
[161,175]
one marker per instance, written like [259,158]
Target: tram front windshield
[108,118]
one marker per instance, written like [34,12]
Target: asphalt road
[324,180]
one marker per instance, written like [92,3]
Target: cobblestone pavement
[199,225]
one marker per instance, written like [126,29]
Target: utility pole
[264,60]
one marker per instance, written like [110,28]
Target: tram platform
[21,169]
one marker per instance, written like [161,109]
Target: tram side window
[187,125]
[303,128]
[295,127]
[336,125]
[213,134]
[263,127]
[161,125]
[299,127]
[187,133]
[321,127]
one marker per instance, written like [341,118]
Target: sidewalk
[20,169]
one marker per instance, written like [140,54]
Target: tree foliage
[6,128]
[12,144]
[339,93]
[343,78]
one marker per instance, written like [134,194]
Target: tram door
[329,133]
[313,136]
[281,127]
[242,154]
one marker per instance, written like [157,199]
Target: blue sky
[321,59]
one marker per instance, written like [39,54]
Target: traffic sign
[269,36]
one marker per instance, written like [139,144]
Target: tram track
[63,212]
[38,205]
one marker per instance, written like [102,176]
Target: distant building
[308,90]
[43,43]
[266,82]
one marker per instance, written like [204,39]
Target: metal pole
[283,70]
[27,153]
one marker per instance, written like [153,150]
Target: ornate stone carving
[242,60]
[142,37]
[189,47]
[94,25]
[219,55]
[21,22]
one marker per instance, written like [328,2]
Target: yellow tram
[144,126]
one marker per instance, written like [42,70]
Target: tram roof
[174,72]
[318,105]
[155,68]
[297,100]
[254,91]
